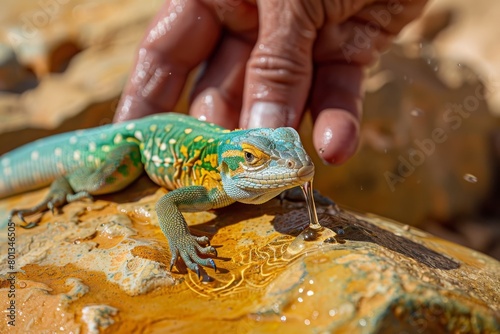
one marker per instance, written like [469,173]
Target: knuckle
[279,68]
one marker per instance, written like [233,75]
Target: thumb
[278,73]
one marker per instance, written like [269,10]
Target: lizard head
[258,164]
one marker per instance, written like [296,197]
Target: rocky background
[430,148]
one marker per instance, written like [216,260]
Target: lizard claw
[212,262]
[29,225]
[197,269]
[21,216]
[51,207]
[175,255]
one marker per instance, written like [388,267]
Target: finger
[336,104]
[217,96]
[279,70]
[390,16]
[180,37]
[349,43]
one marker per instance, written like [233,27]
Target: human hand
[266,61]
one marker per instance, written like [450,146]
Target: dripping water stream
[314,231]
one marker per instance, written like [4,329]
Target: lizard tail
[19,173]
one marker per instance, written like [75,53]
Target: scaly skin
[205,167]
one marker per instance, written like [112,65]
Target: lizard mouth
[306,173]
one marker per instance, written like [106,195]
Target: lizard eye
[249,157]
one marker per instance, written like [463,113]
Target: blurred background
[430,147]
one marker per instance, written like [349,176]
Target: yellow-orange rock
[102,266]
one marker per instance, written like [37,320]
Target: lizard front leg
[174,227]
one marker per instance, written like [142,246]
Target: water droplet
[311,281]
[283,318]
[332,312]
[22,284]
[470,178]
[416,112]
[429,61]
[300,299]
[436,68]
[301,290]
[310,293]
[362,322]
[307,322]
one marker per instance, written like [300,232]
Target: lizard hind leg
[121,167]
[59,194]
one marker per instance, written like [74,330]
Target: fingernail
[268,115]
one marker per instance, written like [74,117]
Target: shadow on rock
[350,228]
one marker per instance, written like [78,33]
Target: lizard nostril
[290,163]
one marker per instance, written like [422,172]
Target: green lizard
[203,165]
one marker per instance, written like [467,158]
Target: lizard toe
[206,250]
[51,207]
[188,250]
[175,255]
[20,214]
[191,264]
[203,240]
[206,262]
[197,268]
[212,263]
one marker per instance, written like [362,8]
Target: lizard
[204,166]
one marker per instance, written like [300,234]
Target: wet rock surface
[103,266]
